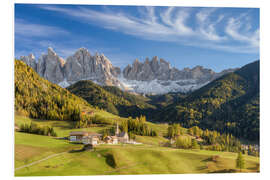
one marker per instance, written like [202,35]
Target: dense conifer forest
[38,98]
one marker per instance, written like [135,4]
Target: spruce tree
[194,144]
[240,162]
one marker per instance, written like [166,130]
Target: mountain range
[154,76]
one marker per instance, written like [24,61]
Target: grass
[160,128]
[31,147]
[81,163]
[130,159]
[148,158]
[151,140]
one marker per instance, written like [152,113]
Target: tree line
[33,128]
[210,140]
[137,126]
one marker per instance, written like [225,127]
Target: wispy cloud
[206,27]
[234,27]
[171,24]
[24,28]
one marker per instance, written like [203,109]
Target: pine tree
[194,144]
[240,162]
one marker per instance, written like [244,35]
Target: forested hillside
[111,99]
[229,104]
[38,98]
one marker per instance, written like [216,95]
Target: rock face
[30,61]
[51,67]
[161,70]
[157,76]
[154,76]
[80,66]
[97,68]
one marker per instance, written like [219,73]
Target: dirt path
[36,162]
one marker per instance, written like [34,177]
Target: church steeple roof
[117,130]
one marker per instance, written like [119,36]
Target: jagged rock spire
[81,65]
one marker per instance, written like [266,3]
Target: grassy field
[148,158]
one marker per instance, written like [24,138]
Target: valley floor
[147,158]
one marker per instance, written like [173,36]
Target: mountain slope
[228,104]
[110,98]
[38,98]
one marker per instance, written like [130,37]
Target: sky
[216,38]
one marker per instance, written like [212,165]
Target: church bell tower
[117,129]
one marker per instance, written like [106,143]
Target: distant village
[93,139]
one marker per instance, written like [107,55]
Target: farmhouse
[84,137]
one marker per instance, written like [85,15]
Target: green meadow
[147,158]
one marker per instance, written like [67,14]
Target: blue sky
[216,38]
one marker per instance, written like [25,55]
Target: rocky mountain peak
[30,60]
[198,67]
[155,58]
[163,61]
[31,56]
[51,52]
[82,51]
[105,60]
[51,66]
[136,62]
[81,65]
[147,61]
[149,70]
